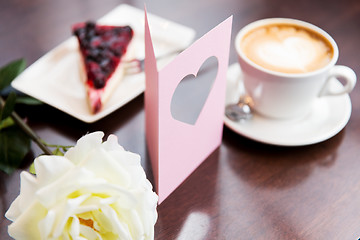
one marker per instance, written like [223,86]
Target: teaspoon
[240,110]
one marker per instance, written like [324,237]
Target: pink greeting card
[177,148]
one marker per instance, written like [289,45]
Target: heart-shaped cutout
[191,93]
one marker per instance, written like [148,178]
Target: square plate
[55,77]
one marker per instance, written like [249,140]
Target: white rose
[96,191]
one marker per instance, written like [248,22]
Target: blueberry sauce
[102,48]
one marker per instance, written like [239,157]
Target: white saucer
[328,117]
[55,77]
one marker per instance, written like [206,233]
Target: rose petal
[46,225]
[26,225]
[89,233]
[103,165]
[74,227]
[25,199]
[65,212]
[63,186]
[131,163]
[84,146]
[118,227]
[50,168]
[127,199]
[112,144]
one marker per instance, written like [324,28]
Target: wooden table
[245,189]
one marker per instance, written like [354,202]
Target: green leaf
[28,100]
[32,169]
[7,122]
[14,145]
[58,152]
[8,107]
[10,71]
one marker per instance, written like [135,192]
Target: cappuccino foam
[287,48]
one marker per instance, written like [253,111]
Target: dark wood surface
[245,189]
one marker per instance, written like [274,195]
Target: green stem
[55,145]
[17,119]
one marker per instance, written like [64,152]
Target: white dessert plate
[55,77]
[328,117]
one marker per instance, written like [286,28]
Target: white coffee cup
[277,88]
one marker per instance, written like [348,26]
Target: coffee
[287,48]
[287,65]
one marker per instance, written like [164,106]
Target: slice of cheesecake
[102,48]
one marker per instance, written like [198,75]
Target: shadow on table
[270,166]
[281,189]
[188,213]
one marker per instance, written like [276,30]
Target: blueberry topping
[102,48]
[98,82]
[89,25]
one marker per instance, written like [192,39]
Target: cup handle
[343,72]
